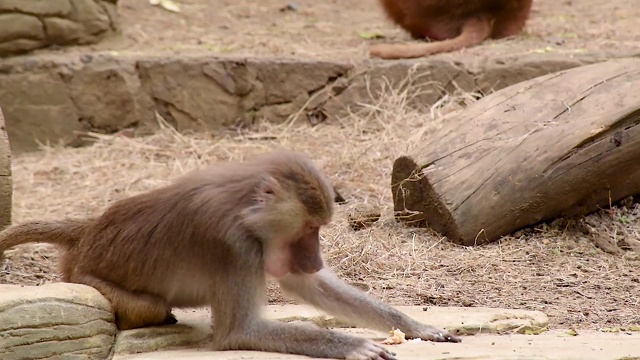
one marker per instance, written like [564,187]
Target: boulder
[27,25]
[55,321]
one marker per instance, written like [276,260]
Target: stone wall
[27,25]
[50,98]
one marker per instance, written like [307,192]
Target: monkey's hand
[326,291]
[432,333]
[369,350]
[304,339]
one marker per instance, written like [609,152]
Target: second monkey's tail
[474,31]
[65,233]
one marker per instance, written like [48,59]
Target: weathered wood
[6,183]
[562,144]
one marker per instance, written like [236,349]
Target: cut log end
[552,146]
[415,203]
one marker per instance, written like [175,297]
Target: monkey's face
[296,255]
[291,241]
[289,234]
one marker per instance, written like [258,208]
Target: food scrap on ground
[397,337]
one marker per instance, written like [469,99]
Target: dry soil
[341,29]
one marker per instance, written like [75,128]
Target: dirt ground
[554,268]
[336,29]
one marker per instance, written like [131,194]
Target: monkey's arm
[305,339]
[327,292]
[239,326]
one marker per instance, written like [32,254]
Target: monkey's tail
[65,233]
[474,32]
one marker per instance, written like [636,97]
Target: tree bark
[564,144]
[6,179]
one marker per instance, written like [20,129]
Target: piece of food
[397,337]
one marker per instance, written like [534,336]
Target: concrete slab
[555,345]
[467,321]
[194,325]
[482,326]
[188,339]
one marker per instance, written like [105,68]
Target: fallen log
[560,145]
[6,182]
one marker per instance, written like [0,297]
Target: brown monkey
[453,24]
[210,238]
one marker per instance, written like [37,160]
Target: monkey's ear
[268,188]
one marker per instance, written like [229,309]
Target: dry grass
[554,269]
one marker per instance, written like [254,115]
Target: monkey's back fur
[443,19]
[186,218]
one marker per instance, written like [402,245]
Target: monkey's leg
[474,32]
[327,292]
[132,310]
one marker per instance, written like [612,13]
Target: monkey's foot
[170,320]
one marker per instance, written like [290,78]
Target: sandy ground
[337,29]
[554,268]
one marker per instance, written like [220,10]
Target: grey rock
[16,26]
[35,7]
[27,25]
[55,321]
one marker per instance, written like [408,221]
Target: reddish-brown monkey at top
[209,239]
[451,24]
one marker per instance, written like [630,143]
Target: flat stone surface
[457,319]
[555,345]
[74,321]
[484,322]
[194,326]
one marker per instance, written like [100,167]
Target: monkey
[452,24]
[213,237]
